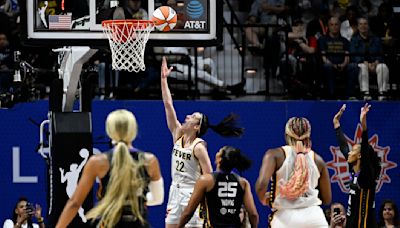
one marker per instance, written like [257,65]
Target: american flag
[60,22]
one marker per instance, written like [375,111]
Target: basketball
[164,18]
[84,153]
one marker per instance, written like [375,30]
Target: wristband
[40,220]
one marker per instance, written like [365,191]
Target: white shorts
[178,199]
[309,217]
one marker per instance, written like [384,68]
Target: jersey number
[179,166]
[227,189]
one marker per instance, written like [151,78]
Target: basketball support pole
[70,131]
[70,70]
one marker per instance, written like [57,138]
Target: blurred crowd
[326,45]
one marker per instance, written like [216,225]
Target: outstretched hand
[336,118]
[165,71]
[363,114]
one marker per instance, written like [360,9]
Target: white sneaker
[367,98]
[366,95]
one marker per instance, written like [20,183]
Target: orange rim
[130,22]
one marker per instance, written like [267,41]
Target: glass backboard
[78,22]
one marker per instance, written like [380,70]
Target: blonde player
[122,171]
[189,156]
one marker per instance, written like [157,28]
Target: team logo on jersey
[341,168]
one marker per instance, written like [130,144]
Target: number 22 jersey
[185,168]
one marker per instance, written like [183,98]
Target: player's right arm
[266,171]
[172,121]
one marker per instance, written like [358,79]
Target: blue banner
[24,171]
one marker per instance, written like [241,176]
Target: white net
[128,40]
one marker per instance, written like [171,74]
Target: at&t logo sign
[195,11]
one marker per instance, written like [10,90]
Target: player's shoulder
[275,152]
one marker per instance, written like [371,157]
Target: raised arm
[368,170]
[201,153]
[204,183]
[172,120]
[363,116]
[266,171]
[248,202]
[339,133]
[324,183]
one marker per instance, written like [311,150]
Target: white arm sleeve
[155,196]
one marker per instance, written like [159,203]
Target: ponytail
[123,188]
[297,184]
[228,127]
[297,133]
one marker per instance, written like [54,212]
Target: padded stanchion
[71,146]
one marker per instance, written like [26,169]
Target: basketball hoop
[128,40]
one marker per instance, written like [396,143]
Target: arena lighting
[251,71]
[180,4]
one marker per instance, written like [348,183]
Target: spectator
[386,27]
[388,215]
[106,74]
[368,8]
[303,9]
[263,12]
[348,27]
[6,64]
[334,49]
[338,7]
[299,57]
[319,26]
[131,9]
[244,218]
[22,215]
[368,56]
[206,69]
[327,213]
[338,216]
[267,12]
